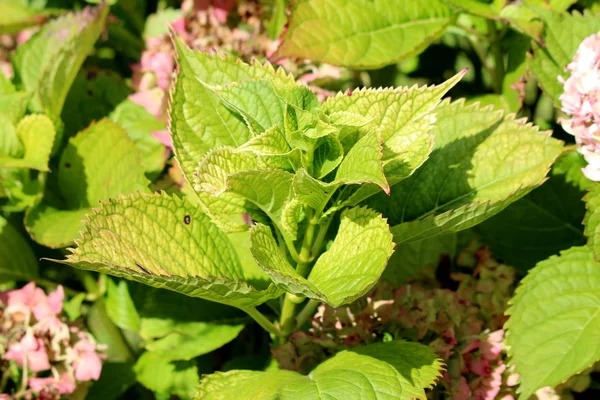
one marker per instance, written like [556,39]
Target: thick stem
[498,73]
[262,321]
[306,313]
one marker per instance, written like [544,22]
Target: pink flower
[31,349]
[161,64]
[64,384]
[152,100]
[86,361]
[164,137]
[581,101]
[492,345]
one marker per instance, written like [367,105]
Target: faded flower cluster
[50,356]
[581,101]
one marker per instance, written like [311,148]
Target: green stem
[498,73]
[307,312]
[262,321]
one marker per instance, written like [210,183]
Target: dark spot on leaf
[68,164]
[91,74]
[144,270]
[187,220]
[89,92]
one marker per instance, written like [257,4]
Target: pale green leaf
[562,35]
[385,371]
[99,163]
[404,118]
[546,221]
[14,105]
[363,163]
[198,119]
[482,162]
[346,271]
[16,16]
[17,260]
[363,33]
[270,142]
[328,154]
[554,320]
[592,219]
[215,168]
[125,238]
[53,227]
[312,192]
[48,63]
[10,145]
[36,134]
[120,307]
[169,377]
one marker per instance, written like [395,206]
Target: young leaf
[363,33]
[269,143]
[563,33]
[199,120]
[312,192]
[481,163]
[53,227]
[404,118]
[124,238]
[17,261]
[363,163]
[546,221]
[36,134]
[342,274]
[217,166]
[48,63]
[14,105]
[394,370]
[554,320]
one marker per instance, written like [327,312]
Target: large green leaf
[482,162]
[384,371]
[402,116]
[48,63]
[99,163]
[546,221]
[346,271]
[554,320]
[17,261]
[175,326]
[561,37]
[36,134]
[167,377]
[363,33]
[126,237]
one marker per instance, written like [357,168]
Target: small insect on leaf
[187,220]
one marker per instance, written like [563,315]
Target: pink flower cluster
[53,356]
[463,326]
[581,101]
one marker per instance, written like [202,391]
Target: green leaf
[199,120]
[363,163]
[120,307]
[53,227]
[36,134]
[554,320]
[10,145]
[346,271]
[312,192]
[157,24]
[48,63]
[546,221]
[277,20]
[139,125]
[16,17]
[363,33]
[218,165]
[592,219]
[270,142]
[17,260]
[404,118]
[482,162]
[392,370]
[164,376]
[99,163]
[114,380]
[328,154]
[563,33]
[14,105]
[125,238]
